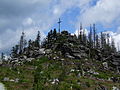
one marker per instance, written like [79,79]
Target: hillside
[69,74]
[63,62]
[64,73]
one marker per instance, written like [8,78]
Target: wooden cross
[59,22]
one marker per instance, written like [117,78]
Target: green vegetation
[52,70]
[24,73]
[44,74]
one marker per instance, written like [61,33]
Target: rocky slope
[58,73]
[63,63]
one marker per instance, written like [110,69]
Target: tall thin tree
[37,41]
[23,43]
[94,35]
[81,36]
[90,37]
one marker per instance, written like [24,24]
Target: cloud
[116,37]
[31,16]
[113,35]
[104,12]
[83,30]
[27,21]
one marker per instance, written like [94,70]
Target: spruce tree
[84,37]
[15,51]
[29,43]
[22,44]
[102,40]
[94,35]
[90,37]
[108,41]
[113,45]
[54,33]
[2,56]
[97,42]
[49,37]
[81,37]
[37,41]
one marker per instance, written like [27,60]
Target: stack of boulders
[23,58]
[35,52]
[73,52]
[113,62]
[116,61]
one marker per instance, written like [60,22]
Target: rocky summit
[63,61]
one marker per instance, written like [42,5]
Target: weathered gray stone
[77,55]
[17,80]
[69,56]
[105,65]
[48,51]
[6,79]
[115,88]
[12,80]
[55,81]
